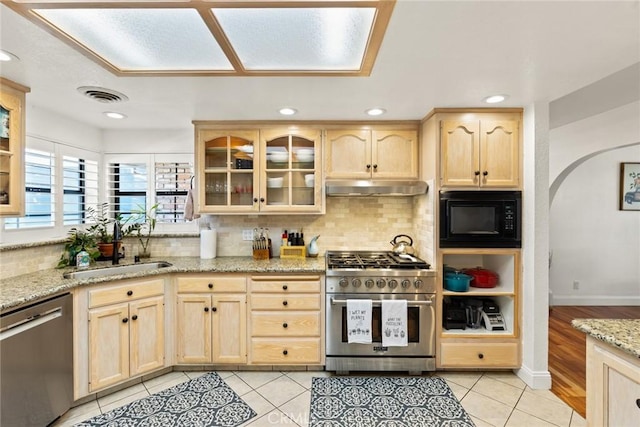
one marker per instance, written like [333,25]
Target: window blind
[172,181]
[80,188]
[127,184]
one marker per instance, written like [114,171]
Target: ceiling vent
[101,94]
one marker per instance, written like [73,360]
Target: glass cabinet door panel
[215,153]
[241,189]
[242,152]
[303,153]
[216,189]
[303,188]
[277,188]
[278,153]
[5,177]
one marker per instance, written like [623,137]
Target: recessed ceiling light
[6,56]
[114,115]
[375,111]
[494,99]
[288,111]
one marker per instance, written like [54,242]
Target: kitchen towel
[208,241]
[189,205]
[394,323]
[359,321]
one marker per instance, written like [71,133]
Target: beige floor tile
[195,374]
[547,394]
[507,377]
[170,377]
[225,374]
[273,418]
[68,422]
[256,379]
[465,379]
[258,403]
[280,390]
[577,420]
[122,402]
[458,391]
[544,408]
[479,423]
[486,409]
[498,390]
[298,408]
[520,419]
[304,378]
[237,385]
[79,413]
[122,394]
[165,385]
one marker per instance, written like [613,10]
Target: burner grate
[371,261]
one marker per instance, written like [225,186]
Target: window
[172,183]
[80,188]
[128,187]
[39,191]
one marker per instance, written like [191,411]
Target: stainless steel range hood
[368,187]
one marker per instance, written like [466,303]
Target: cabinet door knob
[285,325]
[134,317]
[476,173]
[638,403]
[125,320]
[485,173]
[368,166]
[480,356]
[206,309]
[284,303]
[285,287]
[255,200]
[375,166]
[129,293]
[214,309]
[285,352]
[210,285]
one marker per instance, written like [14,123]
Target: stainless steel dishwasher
[36,358]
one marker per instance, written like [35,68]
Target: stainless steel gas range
[379,276]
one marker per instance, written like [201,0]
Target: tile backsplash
[350,223]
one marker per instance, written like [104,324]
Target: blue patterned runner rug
[385,402]
[205,401]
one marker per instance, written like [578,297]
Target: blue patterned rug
[206,401]
[385,402]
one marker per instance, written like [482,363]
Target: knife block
[260,254]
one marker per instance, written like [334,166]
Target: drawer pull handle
[129,293]
[134,317]
[285,287]
[638,403]
[285,325]
[285,352]
[210,285]
[206,309]
[214,309]
[284,303]
[125,320]
[480,356]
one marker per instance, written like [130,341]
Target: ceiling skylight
[195,37]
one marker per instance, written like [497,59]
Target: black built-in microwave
[480,219]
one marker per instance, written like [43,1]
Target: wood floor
[567,348]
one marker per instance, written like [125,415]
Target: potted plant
[144,222]
[78,240]
[102,228]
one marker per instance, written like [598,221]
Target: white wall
[592,241]
[148,141]
[51,126]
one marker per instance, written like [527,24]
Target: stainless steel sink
[120,269]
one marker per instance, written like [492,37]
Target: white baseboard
[595,300]
[540,380]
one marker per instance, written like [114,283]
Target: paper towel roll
[208,242]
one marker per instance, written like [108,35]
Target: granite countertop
[621,333]
[19,290]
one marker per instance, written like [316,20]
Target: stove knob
[380,283]
[417,283]
[406,283]
[368,283]
[393,283]
[356,283]
[343,283]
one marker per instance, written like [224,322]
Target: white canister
[208,241]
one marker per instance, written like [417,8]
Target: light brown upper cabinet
[12,134]
[480,153]
[372,153]
[251,170]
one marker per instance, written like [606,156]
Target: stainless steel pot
[402,246]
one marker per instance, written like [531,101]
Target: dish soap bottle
[313,250]
[83,259]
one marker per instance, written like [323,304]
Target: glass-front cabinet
[12,134]
[273,170]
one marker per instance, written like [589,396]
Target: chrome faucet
[117,237]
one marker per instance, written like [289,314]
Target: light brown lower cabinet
[483,354]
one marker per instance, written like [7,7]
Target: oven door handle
[409,303]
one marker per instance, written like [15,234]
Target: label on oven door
[380,348]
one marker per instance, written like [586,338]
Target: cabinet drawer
[121,293]
[285,351]
[286,302]
[212,284]
[279,324]
[283,284]
[472,355]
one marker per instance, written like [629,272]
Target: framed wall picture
[630,186]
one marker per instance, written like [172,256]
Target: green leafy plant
[78,239]
[143,224]
[102,223]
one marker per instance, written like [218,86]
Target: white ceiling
[434,54]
